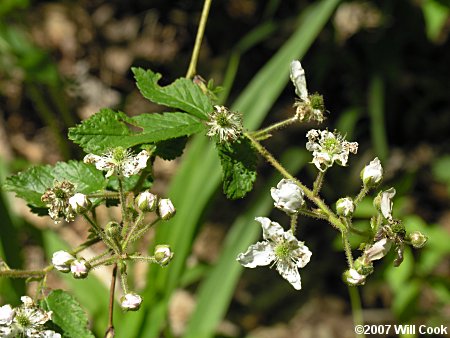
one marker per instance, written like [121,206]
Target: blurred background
[383,69]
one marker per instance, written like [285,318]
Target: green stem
[294,223]
[331,217]
[130,233]
[123,207]
[264,133]
[318,182]
[96,258]
[106,261]
[123,282]
[192,70]
[362,193]
[355,301]
[22,273]
[142,231]
[105,194]
[110,331]
[99,232]
[150,259]
[347,249]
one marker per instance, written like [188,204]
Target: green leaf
[68,314]
[182,94]
[33,182]
[238,166]
[109,129]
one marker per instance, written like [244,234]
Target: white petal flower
[61,260]
[131,301]
[119,161]
[7,314]
[345,206]
[50,334]
[328,147]
[299,80]
[166,210]
[372,174]
[79,203]
[288,196]
[57,200]
[386,203]
[79,268]
[163,254]
[146,201]
[224,125]
[378,250]
[280,247]
[353,277]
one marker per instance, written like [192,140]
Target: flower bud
[287,196]
[61,260]
[146,201]
[112,230]
[79,203]
[166,210]
[417,239]
[7,314]
[353,277]
[163,254]
[345,207]
[372,174]
[378,250]
[131,302]
[80,268]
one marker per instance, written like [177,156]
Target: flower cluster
[119,161]
[309,107]
[27,320]
[328,147]
[224,125]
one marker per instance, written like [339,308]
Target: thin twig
[110,331]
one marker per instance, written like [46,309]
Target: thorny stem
[123,206]
[132,230]
[363,192]
[110,331]
[331,217]
[123,282]
[347,249]
[264,133]
[99,232]
[294,222]
[105,194]
[142,231]
[14,273]
[192,70]
[318,182]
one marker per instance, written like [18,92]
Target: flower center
[119,154]
[282,251]
[22,320]
[317,101]
[331,145]
[222,120]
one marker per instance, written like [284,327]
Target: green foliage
[32,183]
[238,161]
[67,314]
[182,94]
[108,129]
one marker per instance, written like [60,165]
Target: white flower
[166,210]
[378,250]
[310,107]
[372,174]
[131,301]
[163,254]
[353,277]
[386,203]
[328,147]
[225,125]
[7,314]
[288,196]
[119,161]
[280,247]
[345,206]
[50,334]
[61,260]
[79,203]
[79,268]
[146,201]
[28,321]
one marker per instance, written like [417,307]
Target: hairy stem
[264,133]
[192,70]
[133,229]
[318,183]
[110,331]
[363,192]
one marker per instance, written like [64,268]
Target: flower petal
[290,273]
[271,230]
[258,254]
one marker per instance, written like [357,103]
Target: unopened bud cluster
[65,262]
